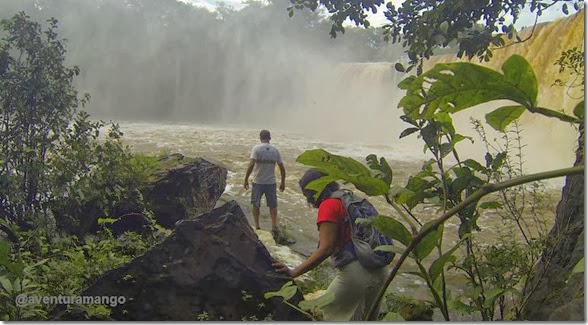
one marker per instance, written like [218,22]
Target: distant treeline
[164,59]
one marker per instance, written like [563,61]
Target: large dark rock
[183,187]
[212,267]
[189,188]
[553,293]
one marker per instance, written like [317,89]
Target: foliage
[572,61]
[424,27]
[37,101]
[54,168]
[405,308]
[61,266]
[306,307]
[456,188]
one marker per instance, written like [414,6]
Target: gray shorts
[258,190]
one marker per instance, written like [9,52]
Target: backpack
[364,237]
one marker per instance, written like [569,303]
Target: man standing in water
[262,163]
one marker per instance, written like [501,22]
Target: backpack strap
[345,196]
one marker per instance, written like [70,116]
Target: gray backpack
[364,237]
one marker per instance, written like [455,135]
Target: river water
[231,146]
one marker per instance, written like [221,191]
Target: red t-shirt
[332,210]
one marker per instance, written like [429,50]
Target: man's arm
[283,177]
[248,173]
[328,232]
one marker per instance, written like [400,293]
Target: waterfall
[361,99]
[550,142]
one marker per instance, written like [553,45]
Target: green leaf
[559,115]
[519,73]
[392,229]
[6,284]
[428,243]
[490,205]
[346,169]
[452,87]
[392,317]
[106,221]
[382,168]
[287,291]
[407,132]
[579,110]
[579,267]
[491,296]
[500,118]
[318,302]
[474,165]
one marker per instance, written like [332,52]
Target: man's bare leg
[255,211]
[274,217]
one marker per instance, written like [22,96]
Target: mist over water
[256,67]
[164,60]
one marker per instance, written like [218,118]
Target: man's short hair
[264,135]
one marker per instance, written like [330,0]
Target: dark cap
[264,135]
[312,175]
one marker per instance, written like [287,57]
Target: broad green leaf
[428,243]
[287,291]
[491,296]
[446,149]
[559,115]
[382,168]
[474,165]
[318,302]
[452,87]
[579,267]
[458,138]
[392,229]
[396,191]
[392,317]
[16,268]
[346,169]
[6,284]
[318,185]
[579,110]
[500,118]
[518,72]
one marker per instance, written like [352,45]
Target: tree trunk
[553,293]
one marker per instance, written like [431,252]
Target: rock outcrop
[182,188]
[212,267]
[187,189]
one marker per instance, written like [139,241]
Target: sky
[525,19]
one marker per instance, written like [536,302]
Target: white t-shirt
[266,157]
